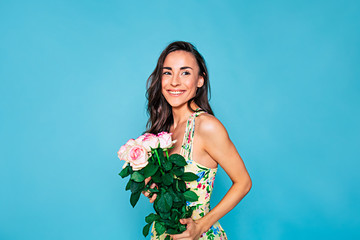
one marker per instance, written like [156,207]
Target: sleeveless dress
[203,186]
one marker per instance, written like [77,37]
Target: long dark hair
[159,110]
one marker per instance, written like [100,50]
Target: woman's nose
[175,80]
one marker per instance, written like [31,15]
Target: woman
[177,93]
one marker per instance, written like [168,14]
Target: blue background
[285,83]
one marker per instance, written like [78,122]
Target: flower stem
[157,155]
[167,154]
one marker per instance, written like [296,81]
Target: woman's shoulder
[208,126]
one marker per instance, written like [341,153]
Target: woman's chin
[177,104]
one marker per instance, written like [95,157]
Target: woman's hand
[192,232]
[147,193]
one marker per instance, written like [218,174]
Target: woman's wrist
[203,225]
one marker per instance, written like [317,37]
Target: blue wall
[285,83]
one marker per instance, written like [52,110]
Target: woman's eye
[166,73]
[186,73]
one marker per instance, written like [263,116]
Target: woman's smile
[176,93]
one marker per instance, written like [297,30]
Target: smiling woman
[159,109]
[177,93]
[180,78]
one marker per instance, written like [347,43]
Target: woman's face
[180,78]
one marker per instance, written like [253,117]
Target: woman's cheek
[165,80]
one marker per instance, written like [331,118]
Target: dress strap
[186,149]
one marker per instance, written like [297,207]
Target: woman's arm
[216,142]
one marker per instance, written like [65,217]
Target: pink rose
[165,139]
[122,153]
[138,157]
[150,141]
[141,138]
[124,150]
[130,142]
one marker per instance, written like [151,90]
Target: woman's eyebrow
[182,68]
[185,67]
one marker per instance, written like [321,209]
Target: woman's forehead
[179,59]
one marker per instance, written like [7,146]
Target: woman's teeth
[176,92]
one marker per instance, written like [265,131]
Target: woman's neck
[182,114]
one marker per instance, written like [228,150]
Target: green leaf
[178,160]
[128,185]
[172,189]
[167,165]
[164,203]
[151,217]
[125,172]
[168,223]
[136,187]
[176,185]
[137,177]
[146,229]
[191,196]
[168,179]
[159,204]
[183,209]
[189,176]
[172,231]
[164,215]
[175,215]
[188,212]
[182,228]
[178,171]
[160,228]
[153,190]
[134,198]
[168,199]
[178,204]
[168,237]
[179,197]
[182,185]
[150,170]
[157,178]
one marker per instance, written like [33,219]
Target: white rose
[165,139]
[150,141]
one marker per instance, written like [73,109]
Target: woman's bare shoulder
[209,126]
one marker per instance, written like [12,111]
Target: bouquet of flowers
[147,156]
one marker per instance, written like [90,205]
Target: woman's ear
[200,82]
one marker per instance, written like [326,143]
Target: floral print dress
[203,186]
